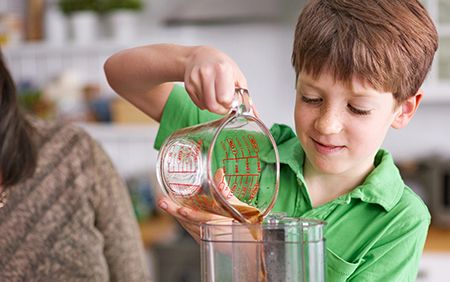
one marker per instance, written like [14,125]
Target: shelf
[69,48]
[156,34]
[144,132]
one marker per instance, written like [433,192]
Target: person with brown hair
[359,67]
[65,213]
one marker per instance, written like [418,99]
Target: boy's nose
[328,122]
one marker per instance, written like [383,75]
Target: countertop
[438,240]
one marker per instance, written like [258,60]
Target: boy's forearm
[140,74]
[145,75]
[138,70]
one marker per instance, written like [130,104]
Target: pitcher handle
[242,102]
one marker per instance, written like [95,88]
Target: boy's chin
[330,165]
[329,168]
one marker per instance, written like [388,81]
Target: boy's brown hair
[387,43]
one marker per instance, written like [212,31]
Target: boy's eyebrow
[308,84]
[369,92]
[321,90]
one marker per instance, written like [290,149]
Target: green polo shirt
[376,232]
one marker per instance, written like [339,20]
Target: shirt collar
[383,186]
[289,149]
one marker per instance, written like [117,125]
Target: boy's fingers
[225,91]
[221,184]
[169,206]
[196,215]
[210,97]
[184,213]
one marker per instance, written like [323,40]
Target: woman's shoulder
[55,139]
[54,132]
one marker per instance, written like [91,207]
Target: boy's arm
[145,75]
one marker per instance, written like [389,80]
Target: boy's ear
[406,110]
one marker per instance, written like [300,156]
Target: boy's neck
[323,188]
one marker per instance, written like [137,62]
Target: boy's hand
[211,78]
[190,218]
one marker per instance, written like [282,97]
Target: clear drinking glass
[280,249]
[229,166]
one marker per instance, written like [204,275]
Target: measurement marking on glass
[242,174]
[242,157]
[183,158]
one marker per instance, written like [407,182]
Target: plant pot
[84,27]
[55,26]
[124,25]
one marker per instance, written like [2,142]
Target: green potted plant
[83,18]
[69,7]
[123,17]
[108,6]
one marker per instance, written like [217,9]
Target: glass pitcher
[229,166]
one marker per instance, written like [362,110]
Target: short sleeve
[180,112]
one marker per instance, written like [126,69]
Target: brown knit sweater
[73,220]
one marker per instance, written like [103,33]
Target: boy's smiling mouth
[326,148]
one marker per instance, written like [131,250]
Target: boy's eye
[318,101]
[311,100]
[358,111]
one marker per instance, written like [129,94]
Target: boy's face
[341,127]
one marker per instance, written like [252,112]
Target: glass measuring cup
[229,166]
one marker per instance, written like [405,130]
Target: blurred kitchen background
[56,50]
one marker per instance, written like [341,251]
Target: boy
[359,66]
